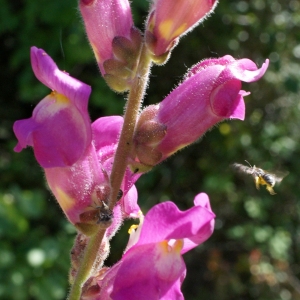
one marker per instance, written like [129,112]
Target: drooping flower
[169,19]
[59,130]
[114,39]
[152,264]
[210,93]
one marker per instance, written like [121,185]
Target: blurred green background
[254,252]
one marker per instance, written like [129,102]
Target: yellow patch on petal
[172,246]
[51,105]
[177,246]
[164,247]
[65,201]
[169,261]
[61,99]
[96,53]
[180,30]
[166,30]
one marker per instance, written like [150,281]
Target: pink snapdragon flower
[59,130]
[210,93]
[105,20]
[113,38]
[169,19]
[82,188]
[152,265]
[75,154]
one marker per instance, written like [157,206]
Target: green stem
[134,100]
[86,264]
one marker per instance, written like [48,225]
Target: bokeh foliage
[254,252]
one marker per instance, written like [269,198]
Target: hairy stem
[86,264]
[134,100]
[118,170]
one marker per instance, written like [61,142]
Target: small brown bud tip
[148,155]
[123,48]
[148,114]
[117,84]
[150,133]
[116,68]
[136,37]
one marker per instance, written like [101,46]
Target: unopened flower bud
[210,93]
[115,41]
[148,134]
[169,19]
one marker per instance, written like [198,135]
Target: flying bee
[261,177]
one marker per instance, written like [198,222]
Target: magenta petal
[48,73]
[59,129]
[247,71]
[222,61]
[193,241]
[163,276]
[130,205]
[106,131]
[23,131]
[202,200]
[238,111]
[225,98]
[165,221]
[57,132]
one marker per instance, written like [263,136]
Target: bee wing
[279,175]
[242,168]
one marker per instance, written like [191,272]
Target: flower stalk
[132,108]
[119,167]
[86,264]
